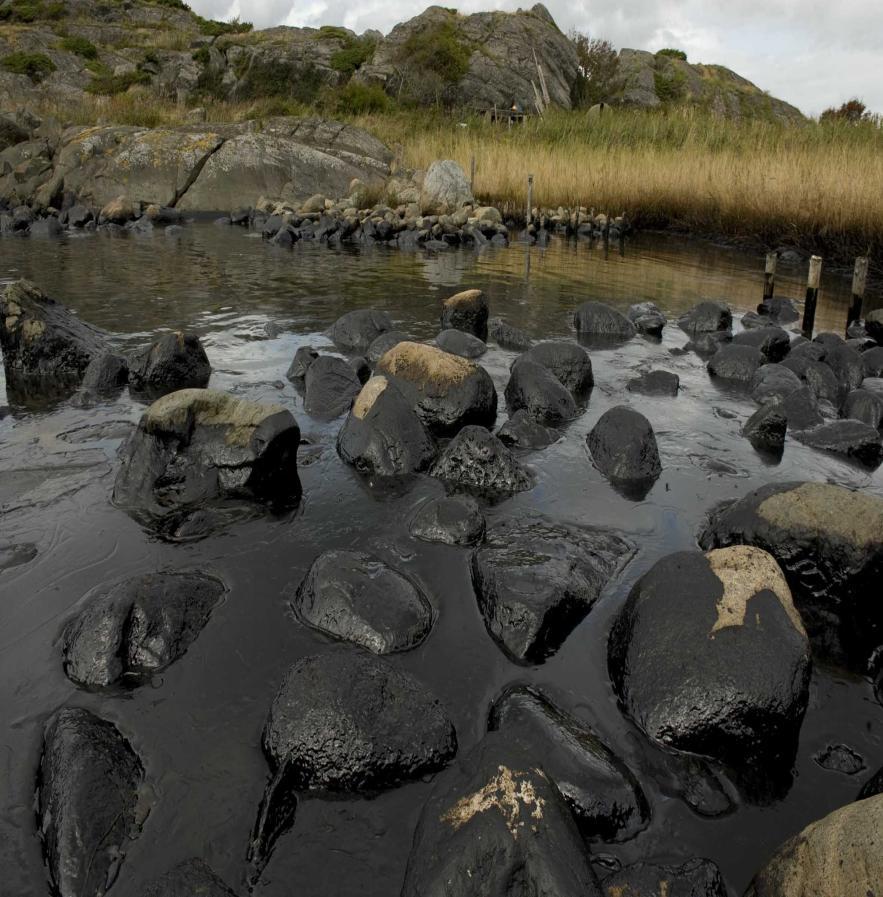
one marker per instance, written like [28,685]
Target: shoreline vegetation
[813,186]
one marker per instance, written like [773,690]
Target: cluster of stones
[710,654]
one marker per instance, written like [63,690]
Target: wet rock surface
[852,438]
[568,363]
[508,336]
[709,655]
[605,797]
[355,597]
[772,342]
[301,362]
[466,311]
[133,631]
[330,387]
[840,758]
[596,321]
[88,786]
[534,389]
[476,460]
[706,317]
[773,382]
[458,342]
[647,318]
[623,446]
[174,361]
[452,520]
[737,363]
[192,878]
[766,429]
[865,406]
[655,383]
[536,580]
[496,825]
[695,878]
[356,330]
[522,431]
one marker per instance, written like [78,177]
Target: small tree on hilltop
[598,70]
[852,111]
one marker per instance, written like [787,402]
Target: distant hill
[62,51]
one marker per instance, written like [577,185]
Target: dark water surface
[198,728]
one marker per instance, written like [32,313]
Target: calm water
[198,728]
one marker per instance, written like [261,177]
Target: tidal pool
[197,728]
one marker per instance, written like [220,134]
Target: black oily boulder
[780,309]
[773,382]
[330,386]
[864,405]
[497,826]
[873,786]
[535,581]
[766,429]
[361,367]
[380,346]
[707,344]
[801,409]
[773,342]
[105,375]
[356,330]
[192,878]
[349,722]
[459,342]
[523,431]
[475,460]
[42,340]
[602,792]
[829,340]
[301,362]
[706,317]
[695,878]
[837,856]
[174,361]
[87,793]
[647,318]
[382,435]
[852,438]
[533,388]
[137,628]
[872,361]
[467,311]
[874,325]
[355,597]
[735,363]
[451,520]
[847,365]
[623,446]
[860,343]
[829,541]
[197,446]
[873,384]
[567,362]
[507,336]
[655,383]
[709,655]
[752,320]
[803,348]
[817,376]
[597,321]
[447,391]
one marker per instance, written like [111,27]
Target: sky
[812,53]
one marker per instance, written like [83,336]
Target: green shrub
[351,57]
[669,86]
[210,83]
[79,45]
[28,11]
[211,28]
[360,99]
[35,65]
[672,53]
[437,49]
[202,56]
[334,32]
[260,78]
[151,57]
[107,85]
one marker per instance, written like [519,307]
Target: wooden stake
[769,275]
[812,295]
[529,200]
[472,176]
[859,280]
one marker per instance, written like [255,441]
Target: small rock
[105,374]
[508,337]
[847,365]
[452,520]
[766,428]
[864,405]
[174,361]
[655,383]
[801,409]
[476,460]
[386,341]
[647,318]
[458,342]
[695,878]
[302,360]
[466,311]
[773,383]
[568,363]
[773,342]
[872,361]
[840,758]
[118,211]
[817,376]
[523,431]
[356,330]
[706,317]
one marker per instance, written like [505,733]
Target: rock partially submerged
[596,321]
[87,793]
[195,447]
[301,362]
[829,542]
[852,438]
[448,392]
[736,363]
[766,429]
[709,655]
[508,336]
[137,628]
[452,520]
[192,878]
[706,317]
[458,342]
[647,318]
[476,460]
[522,431]
[466,311]
[602,792]
[535,581]
[568,363]
[495,825]
[174,361]
[695,878]
[623,447]
[655,383]
[533,388]
[356,330]
[355,597]
[330,386]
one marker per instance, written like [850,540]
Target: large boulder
[301,362]
[496,825]
[773,342]
[475,460]
[838,856]
[709,655]
[523,431]
[655,383]
[535,389]
[458,342]
[773,382]
[829,542]
[448,392]
[864,405]
[872,361]
[847,365]
[596,321]
[602,792]
[535,581]
[817,375]
[507,336]
[356,597]
[192,878]
[445,189]
[174,361]
[766,429]
[127,634]
[623,446]
[801,409]
[735,363]
[383,436]
[706,317]
[694,878]
[567,362]
[42,341]
[356,330]
[851,438]
[874,325]
[195,447]
[330,387]
[87,795]
[466,311]
[451,520]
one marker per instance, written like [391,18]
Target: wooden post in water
[769,275]
[472,176]
[529,216]
[859,279]
[812,295]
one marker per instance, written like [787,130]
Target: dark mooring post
[859,279]
[529,214]
[812,295]
[769,276]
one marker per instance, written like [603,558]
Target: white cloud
[813,53]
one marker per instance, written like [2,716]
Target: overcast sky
[812,53]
